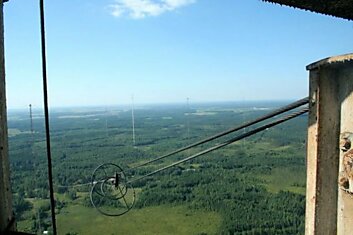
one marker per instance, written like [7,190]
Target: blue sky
[100,52]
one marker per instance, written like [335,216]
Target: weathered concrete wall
[5,189]
[345,195]
[331,108]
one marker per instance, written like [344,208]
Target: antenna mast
[187,118]
[106,122]
[133,121]
[31,118]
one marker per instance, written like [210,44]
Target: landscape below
[255,186]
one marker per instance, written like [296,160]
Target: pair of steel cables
[112,192]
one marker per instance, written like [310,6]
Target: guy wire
[247,124]
[242,136]
[46,111]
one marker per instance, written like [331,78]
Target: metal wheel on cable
[111,194]
[109,174]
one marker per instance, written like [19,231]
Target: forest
[254,186]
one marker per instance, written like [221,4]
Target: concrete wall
[329,207]
[5,189]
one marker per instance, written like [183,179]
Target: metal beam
[337,8]
[6,214]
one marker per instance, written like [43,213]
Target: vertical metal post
[46,114]
[331,86]
[6,215]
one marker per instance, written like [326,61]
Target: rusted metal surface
[311,160]
[338,8]
[346,173]
[346,141]
[346,178]
[329,205]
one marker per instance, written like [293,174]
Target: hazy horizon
[156,104]
[103,52]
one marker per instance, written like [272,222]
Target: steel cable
[272,114]
[247,124]
[237,138]
[129,183]
[46,111]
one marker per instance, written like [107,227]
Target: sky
[103,52]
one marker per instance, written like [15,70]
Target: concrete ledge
[330,60]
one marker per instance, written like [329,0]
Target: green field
[285,179]
[149,221]
[13,132]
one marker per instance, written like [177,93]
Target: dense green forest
[254,186]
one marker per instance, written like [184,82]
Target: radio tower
[31,118]
[133,121]
[106,122]
[187,118]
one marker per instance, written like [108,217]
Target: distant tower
[133,121]
[244,129]
[106,122]
[31,118]
[39,225]
[187,118]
